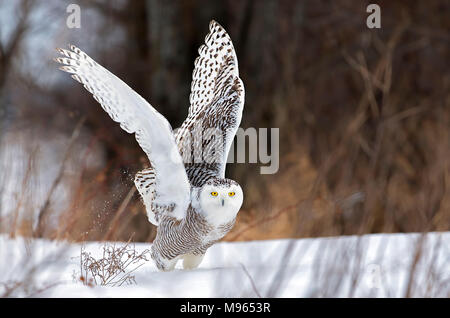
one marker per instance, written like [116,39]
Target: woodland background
[364,114]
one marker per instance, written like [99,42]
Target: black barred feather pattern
[145,181]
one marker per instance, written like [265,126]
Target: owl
[185,192]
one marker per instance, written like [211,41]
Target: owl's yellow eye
[231,194]
[214,194]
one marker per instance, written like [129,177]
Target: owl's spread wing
[217,100]
[153,132]
[212,56]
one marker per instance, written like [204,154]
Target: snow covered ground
[381,265]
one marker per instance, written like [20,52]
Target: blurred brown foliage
[364,114]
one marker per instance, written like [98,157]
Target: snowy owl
[185,191]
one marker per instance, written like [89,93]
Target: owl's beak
[223,202]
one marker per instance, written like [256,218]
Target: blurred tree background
[364,114]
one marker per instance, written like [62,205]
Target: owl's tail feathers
[145,184]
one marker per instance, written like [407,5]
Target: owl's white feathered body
[208,219]
[185,191]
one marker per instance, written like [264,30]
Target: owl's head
[220,200]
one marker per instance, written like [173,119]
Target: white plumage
[188,198]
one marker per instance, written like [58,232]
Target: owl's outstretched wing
[153,132]
[212,57]
[217,100]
